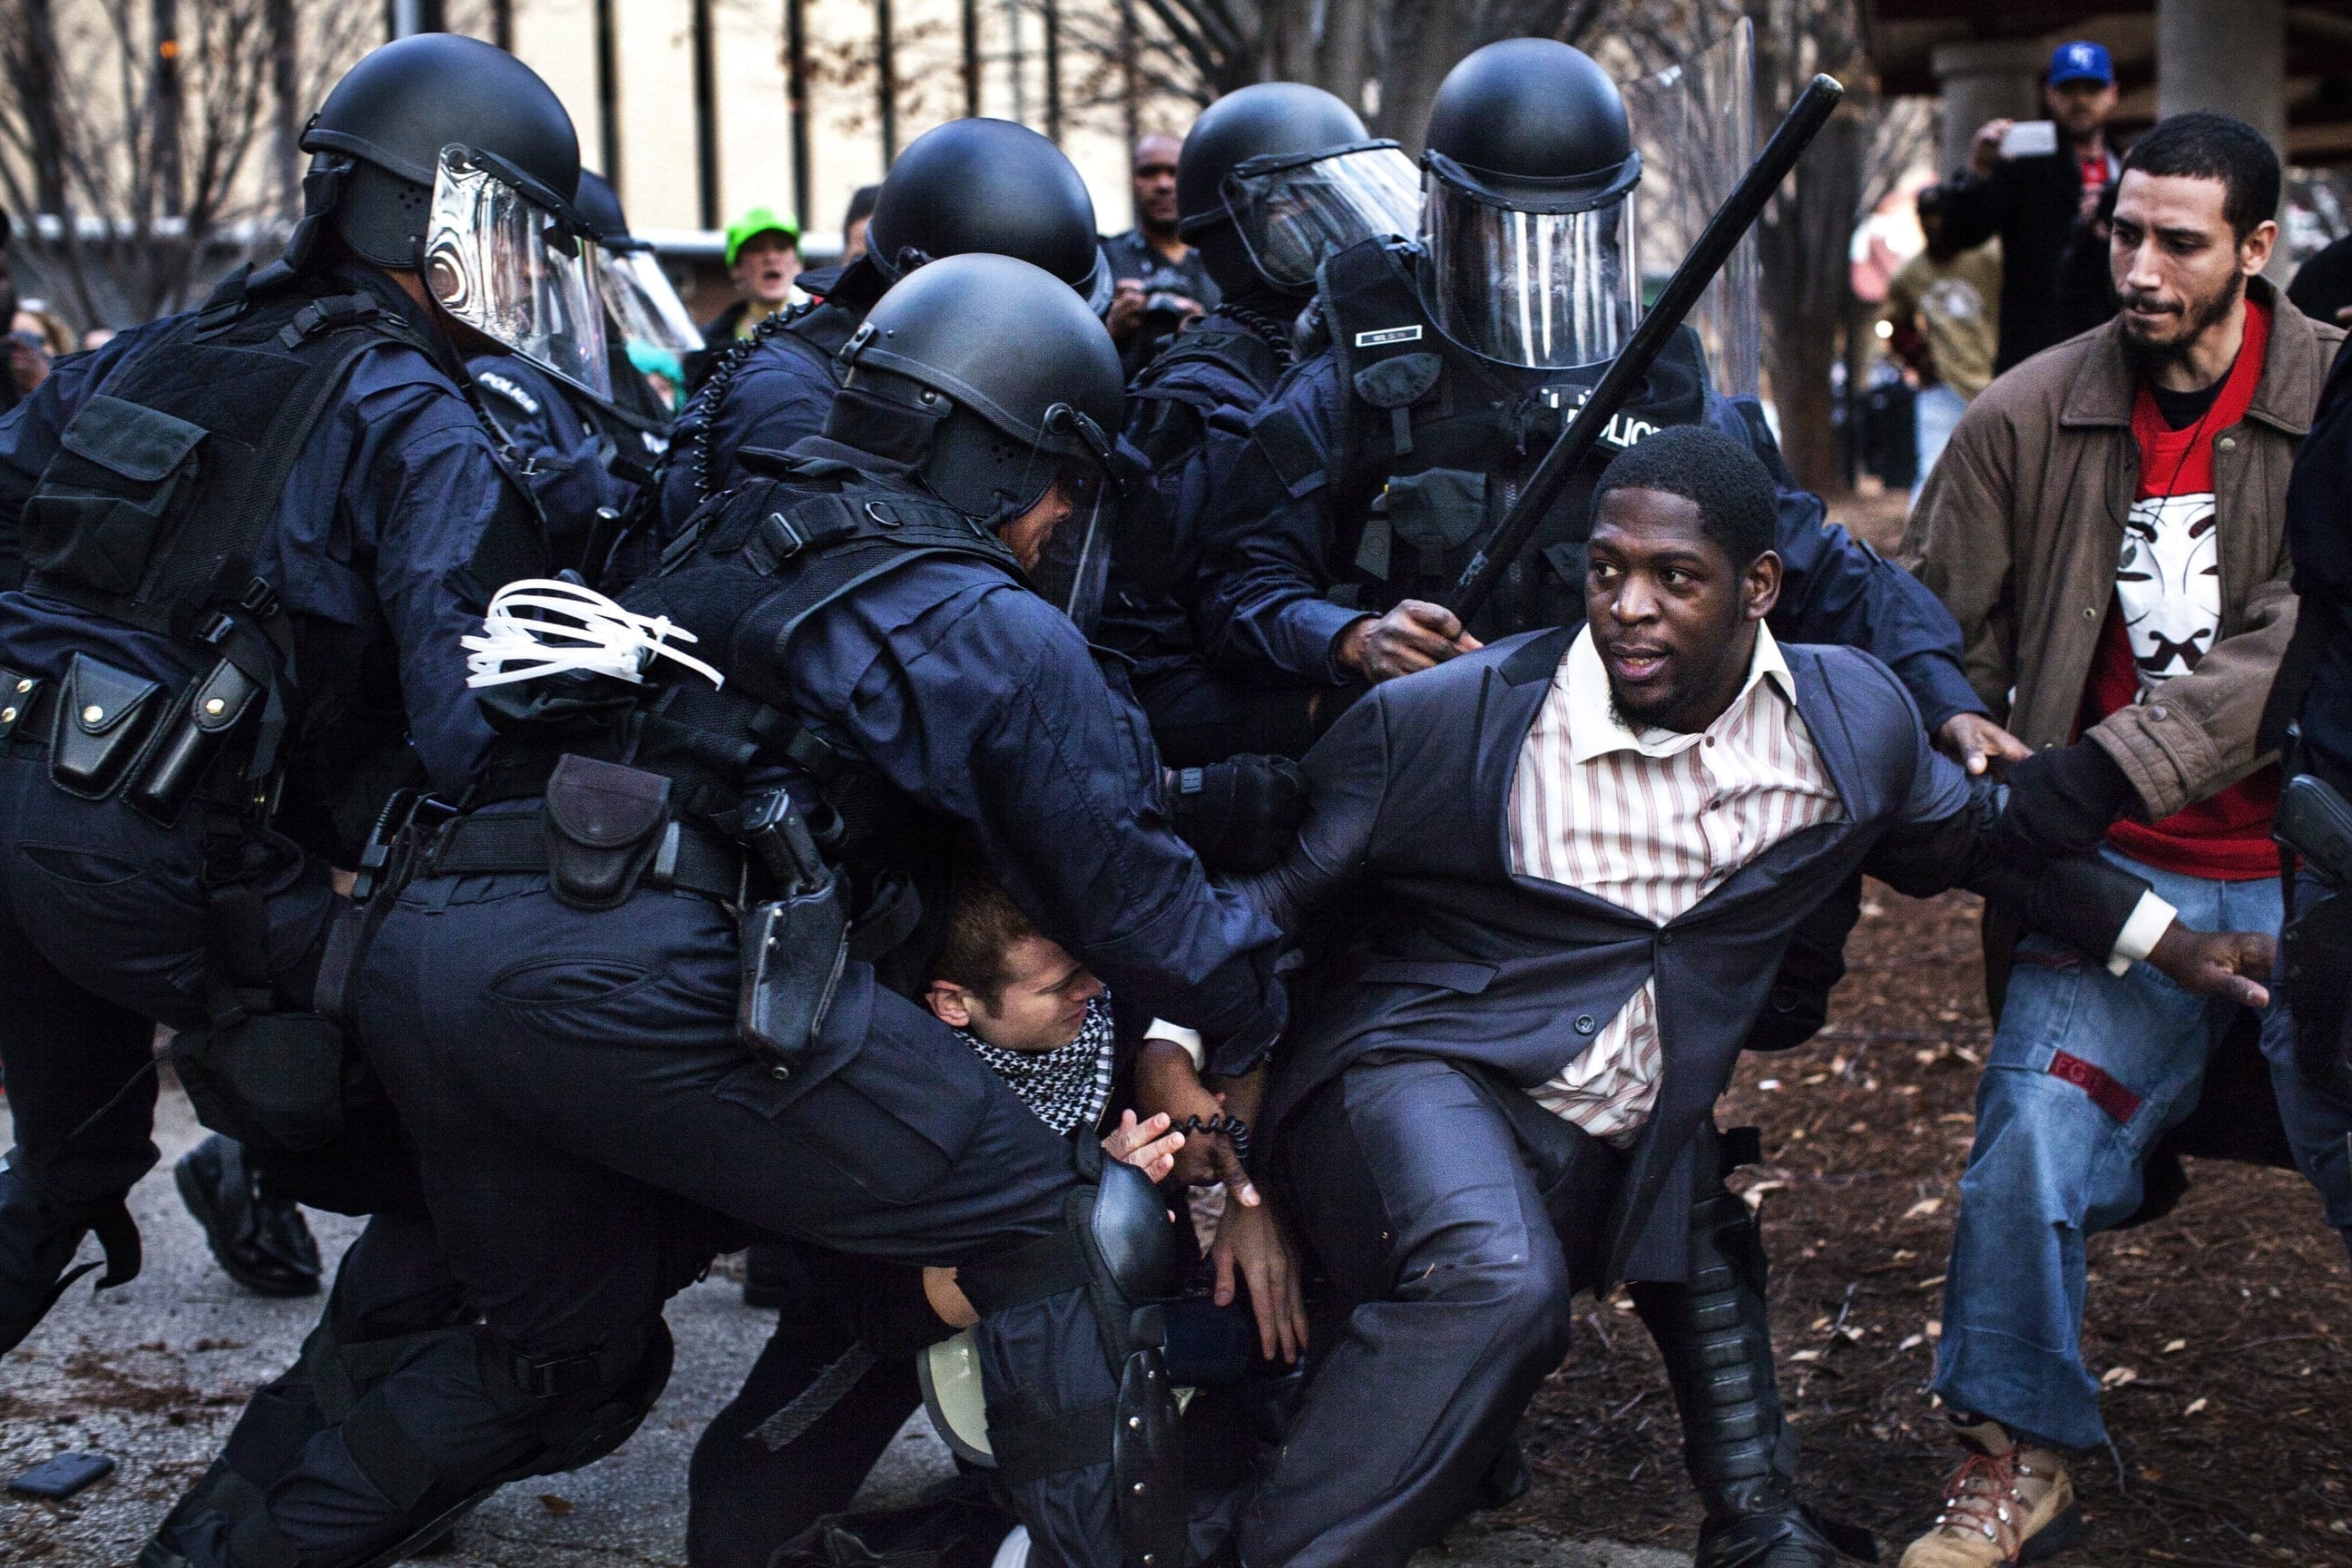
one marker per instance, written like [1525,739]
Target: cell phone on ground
[2030,139]
[60,1477]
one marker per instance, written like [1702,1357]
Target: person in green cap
[764,257]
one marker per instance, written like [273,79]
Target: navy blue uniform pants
[583,1109]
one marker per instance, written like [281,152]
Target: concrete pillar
[1982,80]
[2225,54]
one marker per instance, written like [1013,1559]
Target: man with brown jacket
[2107,526]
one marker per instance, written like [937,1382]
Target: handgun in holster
[796,944]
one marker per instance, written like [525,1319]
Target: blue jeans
[2088,1071]
[1934,415]
[2319,1132]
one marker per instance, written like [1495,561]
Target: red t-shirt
[2166,617]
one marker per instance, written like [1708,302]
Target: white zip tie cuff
[574,629]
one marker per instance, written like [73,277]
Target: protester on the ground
[2037,203]
[1045,1024]
[763,257]
[2136,665]
[55,337]
[1945,307]
[853,222]
[1563,865]
[1161,283]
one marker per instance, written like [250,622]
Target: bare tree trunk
[287,109]
[1804,242]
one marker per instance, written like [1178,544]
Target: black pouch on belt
[603,823]
[795,945]
[104,717]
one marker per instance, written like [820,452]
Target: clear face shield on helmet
[504,257]
[1062,535]
[1293,210]
[1546,290]
[644,302]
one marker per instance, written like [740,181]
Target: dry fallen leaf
[2176,1345]
[2117,1376]
[554,1504]
[1914,1343]
[1923,1208]
[2195,1405]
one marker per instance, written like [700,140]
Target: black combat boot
[1718,1347]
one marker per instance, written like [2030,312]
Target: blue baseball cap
[2081,61]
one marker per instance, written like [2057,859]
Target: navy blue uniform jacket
[1453,955]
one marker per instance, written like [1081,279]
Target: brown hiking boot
[2005,1505]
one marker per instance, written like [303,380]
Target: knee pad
[1118,1247]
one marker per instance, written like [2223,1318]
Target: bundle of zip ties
[544,625]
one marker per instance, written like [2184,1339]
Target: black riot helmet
[393,112]
[1526,224]
[599,206]
[993,382]
[1276,177]
[988,185]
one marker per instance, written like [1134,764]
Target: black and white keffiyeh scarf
[1067,1087]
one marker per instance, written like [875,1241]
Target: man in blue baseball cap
[2042,200]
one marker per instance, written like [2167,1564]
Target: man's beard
[2145,359]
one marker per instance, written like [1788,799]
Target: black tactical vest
[1435,443]
[750,568]
[168,480]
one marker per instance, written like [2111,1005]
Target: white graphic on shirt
[2169,585]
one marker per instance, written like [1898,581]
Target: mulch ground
[2221,1329]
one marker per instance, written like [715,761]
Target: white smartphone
[2030,139]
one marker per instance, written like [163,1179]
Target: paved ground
[153,1373]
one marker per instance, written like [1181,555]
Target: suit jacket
[1446,951]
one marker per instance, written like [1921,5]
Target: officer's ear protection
[889,416]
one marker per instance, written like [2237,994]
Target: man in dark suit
[1571,863]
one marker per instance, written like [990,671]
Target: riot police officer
[643,980]
[1271,179]
[250,533]
[967,185]
[253,533]
[586,455]
[1367,482]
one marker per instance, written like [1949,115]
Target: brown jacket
[2019,528]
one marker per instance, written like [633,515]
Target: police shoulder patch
[1386,335]
[491,381]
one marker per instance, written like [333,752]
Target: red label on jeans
[2105,1093]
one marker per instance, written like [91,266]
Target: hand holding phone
[2030,139]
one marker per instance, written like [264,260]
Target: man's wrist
[2151,918]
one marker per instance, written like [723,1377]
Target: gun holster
[795,945]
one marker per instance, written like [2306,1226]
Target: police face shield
[1293,211]
[504,256]
[1064,536]
[1543,283]
[644,302]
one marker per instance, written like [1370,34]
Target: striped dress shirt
[1654,821]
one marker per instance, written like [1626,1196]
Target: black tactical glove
[2063,800]
[1240,815]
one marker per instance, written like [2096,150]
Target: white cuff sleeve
[2149,920]
[1178,1034]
